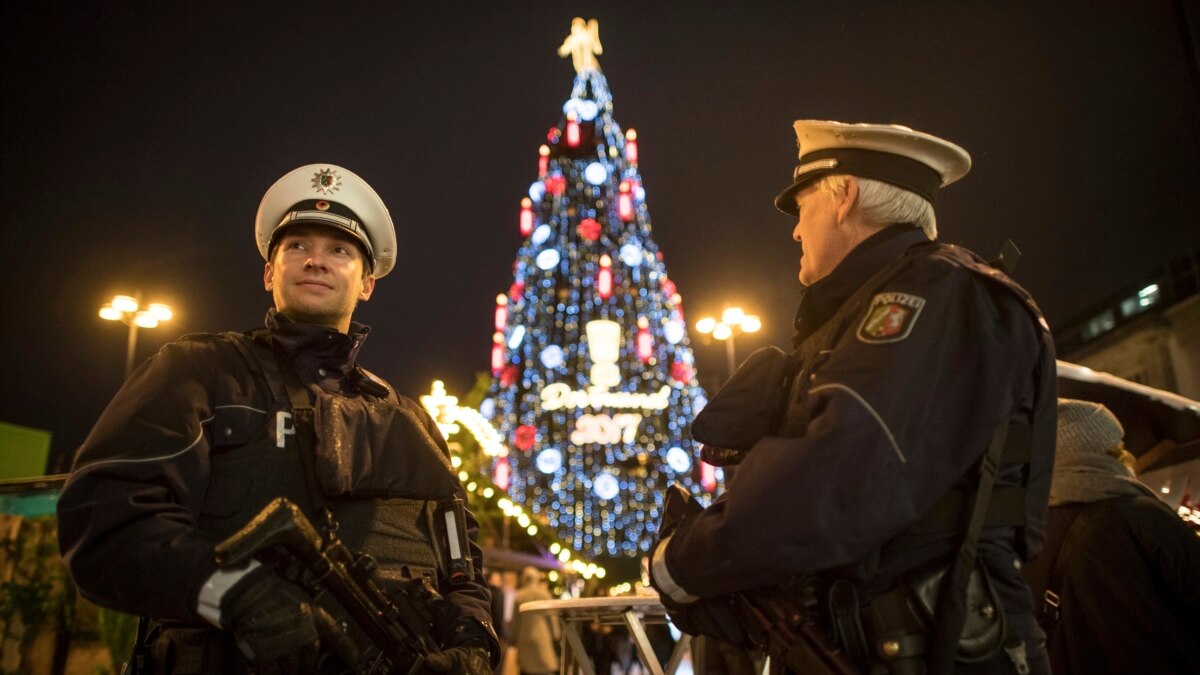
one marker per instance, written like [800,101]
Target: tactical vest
[258,455]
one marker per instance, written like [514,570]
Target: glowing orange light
[631,146]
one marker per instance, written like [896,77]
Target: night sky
[138,138]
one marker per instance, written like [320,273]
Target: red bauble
[508,376]
[525,437]
[681,372]
[556,185]
[589,229]
[668,287]
[516,290]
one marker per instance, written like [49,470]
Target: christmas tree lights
[596,397]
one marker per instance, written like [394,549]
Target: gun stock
[790,634]
[280,523]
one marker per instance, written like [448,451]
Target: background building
[1150,334]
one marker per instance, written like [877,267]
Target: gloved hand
[714,617]
[272,620]
[459,661]
[678,506]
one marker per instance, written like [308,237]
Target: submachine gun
[780,619]
[377,633]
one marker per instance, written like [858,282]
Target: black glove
[459,661]
[713,617]
[678,506]
[272,620]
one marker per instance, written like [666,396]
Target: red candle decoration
[624,202]
[631,146]
[501,312]
[543,160]
[524,437]
[501,475]
[572,131]
[604,279]
[498,355]
[645,343]
[589,229]
[526,216]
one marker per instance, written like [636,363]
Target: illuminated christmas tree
[595,385]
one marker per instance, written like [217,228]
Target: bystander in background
[1117,580]
[535,636]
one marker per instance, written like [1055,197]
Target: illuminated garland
[452,418]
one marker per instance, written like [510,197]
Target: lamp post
[734,322]
[128,310]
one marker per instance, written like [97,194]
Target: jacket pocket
[234,425]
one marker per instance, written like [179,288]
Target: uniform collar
[822,299]
[312,347]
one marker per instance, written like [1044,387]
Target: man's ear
[848,200]
[368,287]
[268,280]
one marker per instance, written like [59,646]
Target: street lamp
[734,322]
[128,310]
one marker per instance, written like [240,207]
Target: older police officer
[915,359]
[214,427]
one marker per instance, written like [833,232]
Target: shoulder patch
[890,318]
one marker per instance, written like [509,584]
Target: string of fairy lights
[451,419]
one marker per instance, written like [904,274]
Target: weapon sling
[949,618]
[287,389]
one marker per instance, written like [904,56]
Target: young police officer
[914,359]
[215,427]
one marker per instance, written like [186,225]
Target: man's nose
[315,259]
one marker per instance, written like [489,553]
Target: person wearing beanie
[1117,580]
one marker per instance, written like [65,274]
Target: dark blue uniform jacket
[895,414]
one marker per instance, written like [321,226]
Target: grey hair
[882,203]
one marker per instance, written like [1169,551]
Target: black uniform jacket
[192,446]
[897,412]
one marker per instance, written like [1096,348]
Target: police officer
[214,427]
[913,359]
